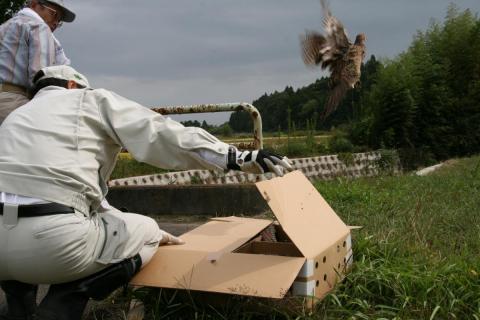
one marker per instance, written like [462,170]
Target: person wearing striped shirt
[27,44]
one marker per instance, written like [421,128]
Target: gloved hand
[257,161]
[167,238]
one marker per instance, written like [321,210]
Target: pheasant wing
[330,50]
[336,33]
[314,45]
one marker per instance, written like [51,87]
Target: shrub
[412,158]
[340,143]
[389,161]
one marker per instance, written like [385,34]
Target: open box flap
[169,268]
[210,241]
[303,213]
[234,273]
[222,234]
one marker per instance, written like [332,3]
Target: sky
[182,52]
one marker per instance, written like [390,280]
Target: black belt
[44,209]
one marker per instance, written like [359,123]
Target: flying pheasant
[335,52]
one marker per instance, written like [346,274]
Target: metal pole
[222,107]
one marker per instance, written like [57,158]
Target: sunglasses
[54,14]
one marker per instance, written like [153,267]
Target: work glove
[167,238]
[257,161]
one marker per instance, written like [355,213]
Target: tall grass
[128,167]
[432,215]
[416,257]
[388,283]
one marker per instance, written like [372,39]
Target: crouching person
[57,153]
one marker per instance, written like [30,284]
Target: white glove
[167,238]
[257,161]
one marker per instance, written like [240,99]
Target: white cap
[61,72]
[68,15]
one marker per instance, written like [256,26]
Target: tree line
[424,103]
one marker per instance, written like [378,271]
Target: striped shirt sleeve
[41,49]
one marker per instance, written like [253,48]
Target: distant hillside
[305,104]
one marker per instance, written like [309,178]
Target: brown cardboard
[226,255]
[286,249]
[304,215]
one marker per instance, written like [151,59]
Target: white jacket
[62,145]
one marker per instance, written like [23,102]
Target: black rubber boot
[21,300]
[67,301]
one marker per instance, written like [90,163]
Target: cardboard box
[305,253]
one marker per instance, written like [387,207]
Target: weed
[347,158]
[128,167]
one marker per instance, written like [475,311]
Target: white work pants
[65,247]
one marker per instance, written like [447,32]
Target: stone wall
[321,167]
[198,200]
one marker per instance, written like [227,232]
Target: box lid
[303,213]
[221,234]
[205,261]
[233,273]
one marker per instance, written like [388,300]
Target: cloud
[202,51]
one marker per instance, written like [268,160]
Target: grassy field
[416,257]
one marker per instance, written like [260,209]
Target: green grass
[128,167]
[434,216]
[416,257]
